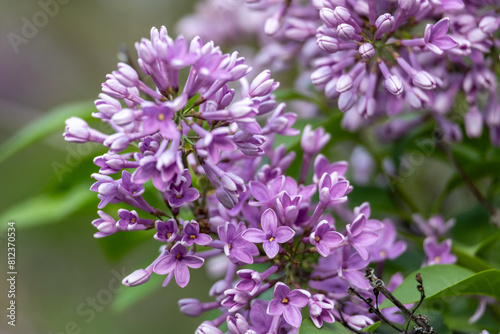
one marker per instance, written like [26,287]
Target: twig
[420,287]
[372,309]
[379,285]
[495,215]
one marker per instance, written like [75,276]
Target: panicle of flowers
[199,146]
[383,60]
[388,58]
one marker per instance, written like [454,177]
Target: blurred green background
[67,281]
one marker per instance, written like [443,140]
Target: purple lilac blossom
[438,253]
[198,146]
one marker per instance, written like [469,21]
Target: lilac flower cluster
[389,58]
[226,195]
[376,44]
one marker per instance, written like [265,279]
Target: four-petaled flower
[271,235]
[192,235]
[325,239]
[288,303]
[358,237]
[435,37]
[235,247]
[176,264]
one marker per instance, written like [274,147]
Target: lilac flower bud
[328,17]
[125,119]
[238,325]
[249,144]
[114,88]
[384,24]
[328,44]
[235,299]
[313,141]
[146,51]
[348,33]
[126,75]
[299,30]
[207,328]
[489,24]
[226,199]
[331,89]
[492,114]
[359,321]
[347,100]
[394,85]
[322,75]
[474,122]
[78,131]
[191,307]
[138,277]
[341,14]
[344,83]
[117,142]
[262,85]
[107,106]
[106,225]
[366,50]
[408,5]
[424,80]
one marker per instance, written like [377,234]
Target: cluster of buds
[383,44]
[389,58]
[226,195]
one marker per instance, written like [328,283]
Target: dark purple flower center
[284,300]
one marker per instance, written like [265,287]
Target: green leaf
[128,296]
[448,281]
[372,328]
[486,245]
[48,124]
[45,208]
[485,283]
[435,279]
[307,327]
[468,260]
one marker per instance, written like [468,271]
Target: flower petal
[445,43]
[440,28]
[165,265]
[254,235]
[292,315]
[193,261]
[181,274]
[275,307]
[271,248]
[281,290]
[259,191]
[299,297]
[283,234]
[269,221]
